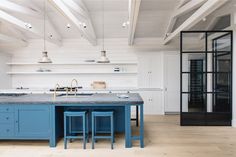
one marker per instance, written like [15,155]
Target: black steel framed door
[206,77]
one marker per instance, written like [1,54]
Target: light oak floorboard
[164,137]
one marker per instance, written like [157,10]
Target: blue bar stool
[69,133]
[96,114]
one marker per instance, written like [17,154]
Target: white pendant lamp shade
[45,58]
[103,58]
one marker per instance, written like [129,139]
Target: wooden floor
[163,138]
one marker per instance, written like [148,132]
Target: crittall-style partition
[206,77]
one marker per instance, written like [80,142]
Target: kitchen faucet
[76,81]
[55,90]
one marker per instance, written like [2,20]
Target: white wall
[79,50]
[5,80]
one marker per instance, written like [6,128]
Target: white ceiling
[153,18]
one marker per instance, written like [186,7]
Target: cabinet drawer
[6,117]
[6,130]
[6,108]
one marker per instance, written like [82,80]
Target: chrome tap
[55,91]
[76,81]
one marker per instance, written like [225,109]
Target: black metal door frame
[205,118]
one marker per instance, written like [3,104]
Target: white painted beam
[182,2]
[183,8]
[5,17]
[203,11]
[190,6]
[12,40]
[134,6]
[12,31]
[10,6]
[67,13]
[82,14]
[32,10]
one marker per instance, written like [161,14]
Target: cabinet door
[153,102]
[150,70]
[172,83]
[144,71]
[32,121]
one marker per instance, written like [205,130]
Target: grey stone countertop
[100,98]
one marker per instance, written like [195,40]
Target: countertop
[97,98]
[85,89]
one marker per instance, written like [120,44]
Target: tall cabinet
[150,81]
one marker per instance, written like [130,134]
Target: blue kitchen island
[40,117]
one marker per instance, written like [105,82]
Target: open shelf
[79,63]
[68,73]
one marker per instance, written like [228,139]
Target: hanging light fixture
[103,58]
[45,58]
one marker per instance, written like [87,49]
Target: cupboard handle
[16,121]
[7,118]
[7,109]
[7,130]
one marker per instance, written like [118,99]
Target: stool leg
[87,127]
[112,132]
[93,131]
[137,116]
[65,132]
[70,128]
[84,132]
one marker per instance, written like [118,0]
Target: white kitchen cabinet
[150,70]
[153,102]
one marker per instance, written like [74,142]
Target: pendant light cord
[44,26]
[103,25]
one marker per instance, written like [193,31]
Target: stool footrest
[102,137]
[74,137]
[135,137]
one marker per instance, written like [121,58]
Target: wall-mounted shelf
[81,63]
[70,73]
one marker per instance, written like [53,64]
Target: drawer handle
[7,109]
[8,130]
[7,118]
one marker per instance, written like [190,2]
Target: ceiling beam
[183,8]
[9,39]
[203,11]
[10,6]
[134,6]
[22,25]
[182,2]
[190,6]
[12,31]
[82,14]
[69,15]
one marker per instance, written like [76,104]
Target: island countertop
[98,98]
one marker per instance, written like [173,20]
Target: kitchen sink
[12,94]
[77,95]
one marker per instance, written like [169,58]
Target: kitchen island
[40,117]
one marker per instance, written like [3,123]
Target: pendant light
[103,58]
[45,58]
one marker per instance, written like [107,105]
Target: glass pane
[193,102]
[193,82]
[197,38]
[221,102]
[220,41]
[193,62]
